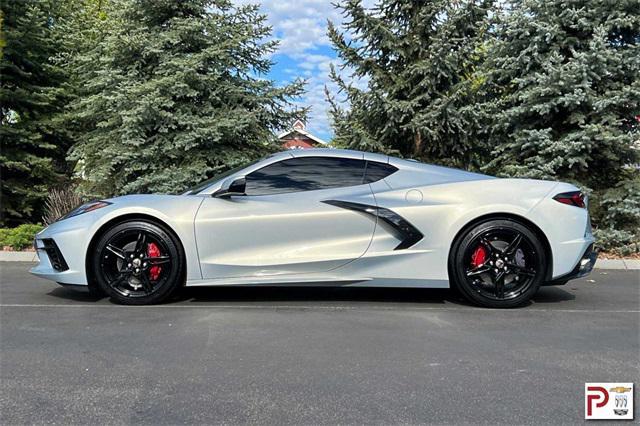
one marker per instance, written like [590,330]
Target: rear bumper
[583,267]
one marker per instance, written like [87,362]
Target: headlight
[86,208]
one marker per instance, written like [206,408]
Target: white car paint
[295,238]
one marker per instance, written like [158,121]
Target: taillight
[575,198]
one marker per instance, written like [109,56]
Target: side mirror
[231,187]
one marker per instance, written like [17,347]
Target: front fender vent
[55,256]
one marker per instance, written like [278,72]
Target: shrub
[60,202]
[4,233]
[616,217]
[615,241]
[20,237]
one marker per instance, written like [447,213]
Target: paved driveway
[312,355]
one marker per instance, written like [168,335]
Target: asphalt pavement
[312,355]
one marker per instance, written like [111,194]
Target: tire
[96,291]
[498,263]
[137,263]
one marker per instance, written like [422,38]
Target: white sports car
[323,216]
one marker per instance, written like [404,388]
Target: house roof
[299,127]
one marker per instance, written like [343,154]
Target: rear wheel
[498,264]
[137,263]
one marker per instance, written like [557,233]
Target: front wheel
[137,263]
[498,264]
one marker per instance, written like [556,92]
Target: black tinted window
[305,174]
[376,171]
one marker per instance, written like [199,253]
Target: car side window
[376,171]
[305,174]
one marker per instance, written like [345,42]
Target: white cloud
[298,25]
[301,28]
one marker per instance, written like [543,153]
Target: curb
[626,264]
[630,264]
[18,256]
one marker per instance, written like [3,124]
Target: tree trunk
[417,145]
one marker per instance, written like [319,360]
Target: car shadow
[345,294]
[239,295]
[314,294]
[552,294]
[74,295]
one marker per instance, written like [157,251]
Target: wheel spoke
[158,260]
[499,285]
[117,280]
[513,246]
[140,242]
[146,284]
[480,269]
[115,250]
[487,244]
[521,270]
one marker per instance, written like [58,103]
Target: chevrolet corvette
[328,217]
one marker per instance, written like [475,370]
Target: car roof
[433,172]
[340,153]
[325,152]
[407,166]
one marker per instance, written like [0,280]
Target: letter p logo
[598,396]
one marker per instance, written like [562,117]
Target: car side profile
[325,216]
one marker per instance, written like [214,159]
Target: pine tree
[419,60]
[173,92]
[32,149]
[563,79]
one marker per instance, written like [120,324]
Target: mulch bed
[605,255]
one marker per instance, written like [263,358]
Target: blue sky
[304,52]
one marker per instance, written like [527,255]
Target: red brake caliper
[153,251]
[479,256]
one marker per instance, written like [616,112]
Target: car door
[283,225]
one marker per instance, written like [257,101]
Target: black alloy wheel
[138,262]
[498,264]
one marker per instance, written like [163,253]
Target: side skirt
[321,282]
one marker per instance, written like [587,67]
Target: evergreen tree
[418,59]
[32,148]
[173,93]
[563,78]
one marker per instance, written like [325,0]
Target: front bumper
[61,252]
[49,248]
[52,266]
[583,267]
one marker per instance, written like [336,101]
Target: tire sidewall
[457,266]
[175,251]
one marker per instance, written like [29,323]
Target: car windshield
[202,185]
